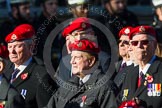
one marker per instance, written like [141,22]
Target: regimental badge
[13,37]
[83,25]
[127,31]
[142,29]
[154,89]
[79,44]
[23,93]
[2,104]
[83,101]
[125,94]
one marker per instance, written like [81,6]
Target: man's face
[123,46]
[143,47]
[24,10]
[117,6]
[159,13]
[80,11]
[51,7]
[19,52]
[80,61]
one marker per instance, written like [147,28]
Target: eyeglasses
[123,42]
[143,42]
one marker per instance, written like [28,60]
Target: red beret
[127,104]
[125,31]
[21,32]
[84,45]
[3,51]
[143,30]
[81,23]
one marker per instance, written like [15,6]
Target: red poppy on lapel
[24,76]
[2,104]
[129,104]
[149,78]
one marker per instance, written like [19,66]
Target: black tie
[81,83]
[14,74]
[122,66]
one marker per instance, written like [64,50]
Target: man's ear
[1,66]
[31,47]
[91,61]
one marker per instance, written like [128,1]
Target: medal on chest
[125,94]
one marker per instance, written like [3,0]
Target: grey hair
[152,37]
[29,42]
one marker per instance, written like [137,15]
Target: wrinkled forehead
[78,53]
[124,37]
[16,43]
[142,37]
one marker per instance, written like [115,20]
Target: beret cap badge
[142,29]
[83,25]
[79,44]
[127,31]
[13,37]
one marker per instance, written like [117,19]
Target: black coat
[130,83]
[98,94]
[38,85]
[10,95]
[119,78]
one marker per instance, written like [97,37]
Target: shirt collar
[145,69]
[128,63]
[86,78]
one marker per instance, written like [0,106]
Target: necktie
[81,83]
[14,74]
[140,78]
[122,66]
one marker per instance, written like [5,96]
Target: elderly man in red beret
[85,89]
[79,29]
[143,82]
[30,79]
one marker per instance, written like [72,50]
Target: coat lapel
[117,65]
[8,72]
[75,81]
[24,75]
[134,79]
[151,71]
[4,88]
